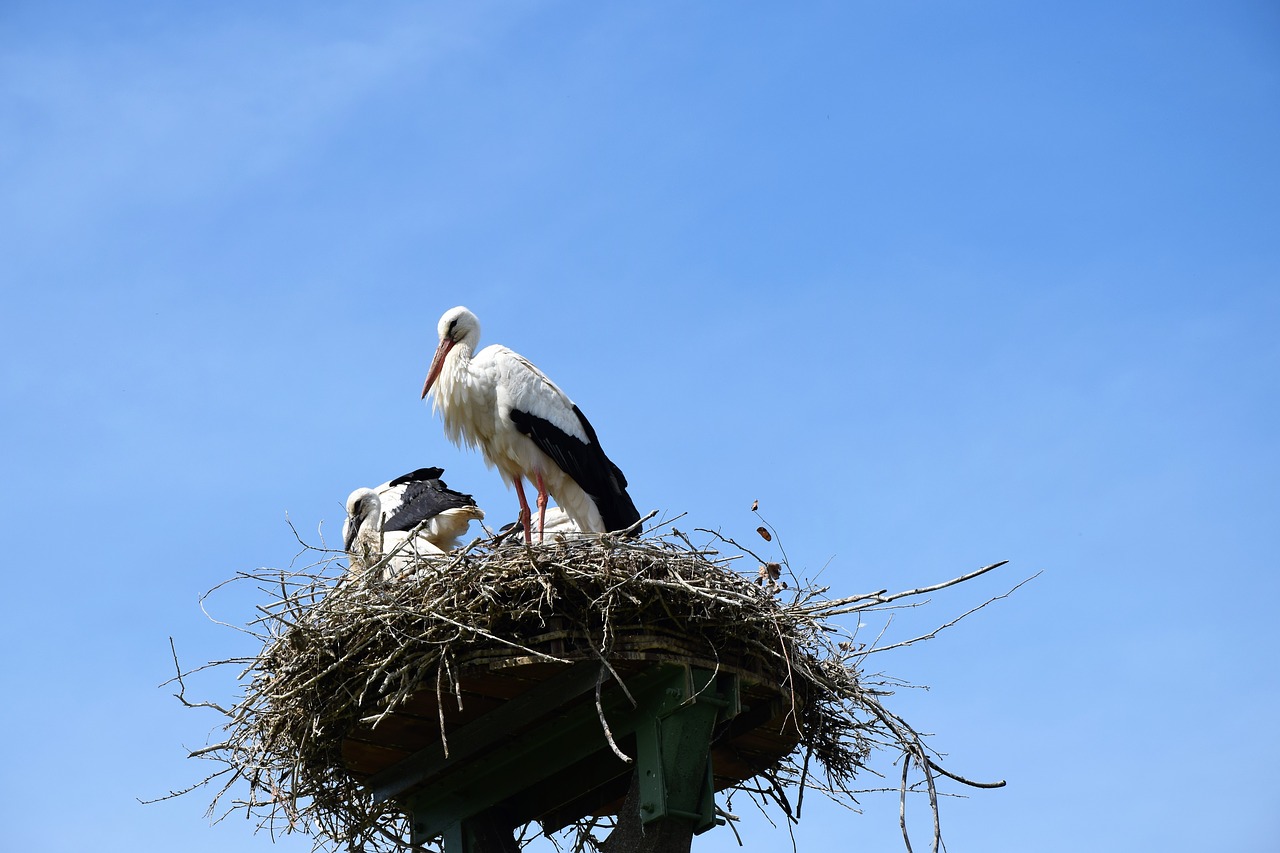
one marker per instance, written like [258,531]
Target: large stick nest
[341,649]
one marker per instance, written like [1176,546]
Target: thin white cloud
[99,127]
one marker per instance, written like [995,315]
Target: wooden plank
[558,742]
[365,759]
[402,732]
[423,706]
[578,790]
[510,718]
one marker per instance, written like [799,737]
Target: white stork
[526,427]
[415,515]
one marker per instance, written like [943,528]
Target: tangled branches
[342,652]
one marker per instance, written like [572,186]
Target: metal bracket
[673,747]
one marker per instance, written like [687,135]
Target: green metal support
[673,746]
[475,835]
[458,837]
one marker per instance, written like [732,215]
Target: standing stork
[526,427]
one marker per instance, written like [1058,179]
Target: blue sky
[939,284]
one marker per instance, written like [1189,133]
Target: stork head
[363,505]
[457,326]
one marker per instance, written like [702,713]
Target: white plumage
[362,531]
[413,516]
[367,543]
[557,526]
[526,427]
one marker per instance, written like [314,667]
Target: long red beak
[437,362]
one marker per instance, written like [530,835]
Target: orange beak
[437,363]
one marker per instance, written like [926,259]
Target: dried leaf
[764,534]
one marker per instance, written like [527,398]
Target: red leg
[542,506]
[526,517]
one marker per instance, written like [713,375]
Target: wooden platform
[510,701]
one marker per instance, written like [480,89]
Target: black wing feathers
[586,463]
[413,498]
[420,474]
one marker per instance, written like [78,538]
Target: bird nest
[342,654]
